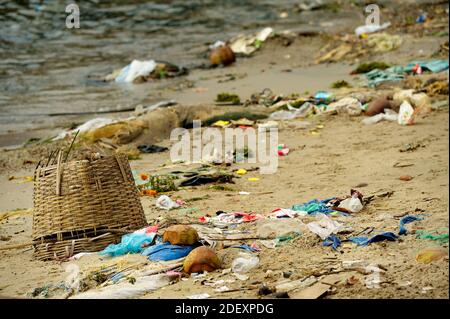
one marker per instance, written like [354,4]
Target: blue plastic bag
[166,251]
[131,243]
[406,220]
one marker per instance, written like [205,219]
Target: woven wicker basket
[83,206]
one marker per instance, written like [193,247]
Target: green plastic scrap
[286,238]
[376,77]
[442,238]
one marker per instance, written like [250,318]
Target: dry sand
[344,154]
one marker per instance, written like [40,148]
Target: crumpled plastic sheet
[324,226]
[376,77]
[434,66]
[251,248]
[332,241]
[442,238]
[364,241]
[396,73]
[317,206]
[166,251]
[130,243]
[232,218]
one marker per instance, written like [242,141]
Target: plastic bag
[166,251]
[131,243]
[388,115]
[269,228]
[348,105]
[352,204]
[371,28]
[324,226]
[244,263]
[135,69]
[406,114]
[164,202]
[126,290]
[293,112]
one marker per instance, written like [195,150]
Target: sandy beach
[330,154]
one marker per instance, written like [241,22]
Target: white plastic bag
[135,69]
[324,226]
[388,115]
[406,114]
[126,290]
[244,263]
[352,204]
[371,28]
[164,202]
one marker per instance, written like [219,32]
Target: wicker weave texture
[79,200]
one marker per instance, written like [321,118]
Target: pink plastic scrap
[285,212]
[147,230]
[232,218]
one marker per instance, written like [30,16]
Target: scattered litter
[405,178]
[428,255]
[371,28]
[285,212]
[244,263]
[332,241]
[384,42]
[248,44]
[166,251]
[144,148]
[180,235]
[315,291]
[201,259]
[348,105]
[282,149]
[126,290]
[388,115]
[364,241]
[164,202]
[442,238]
[406,220]
[352,204]
[131,243]
[324,226]
[135,69]
[406,114]
[221,54]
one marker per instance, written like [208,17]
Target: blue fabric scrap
[332,241]
[364,241]
[406,220]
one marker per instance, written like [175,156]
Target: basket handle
[122,170]
[59,174]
